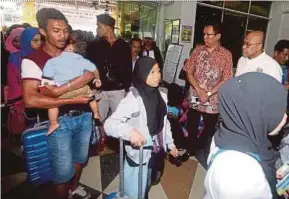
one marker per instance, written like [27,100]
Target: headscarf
[9,41]
[25,46]
[154,104]
[251,106]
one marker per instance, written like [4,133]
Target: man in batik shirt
[209,66]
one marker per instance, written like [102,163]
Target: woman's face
[279,127]
[16,42]
[154,77]
[36,42]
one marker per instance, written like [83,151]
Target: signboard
[173,56]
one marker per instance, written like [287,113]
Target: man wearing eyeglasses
[209,66]
[254,59]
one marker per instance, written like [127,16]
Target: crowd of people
[76,80]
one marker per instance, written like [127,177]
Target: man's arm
[191,79]
[227,72]
[189,68]
[32,97]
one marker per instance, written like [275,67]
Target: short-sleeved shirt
[32,66]
[263,63]
[209,69]
[67,66]
[32,69]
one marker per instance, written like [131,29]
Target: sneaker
[79,193]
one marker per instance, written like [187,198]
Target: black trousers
[201,146]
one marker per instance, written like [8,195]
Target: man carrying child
[67,66]
[69,143]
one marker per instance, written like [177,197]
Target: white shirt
[133,62]
[263,63]
[30,70]
[149,54]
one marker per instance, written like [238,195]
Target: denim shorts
[69,144]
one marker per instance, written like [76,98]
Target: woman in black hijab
[252,106]
[147,87]
[140,118]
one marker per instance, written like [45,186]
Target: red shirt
[209,69]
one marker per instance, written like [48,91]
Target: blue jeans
[69,144]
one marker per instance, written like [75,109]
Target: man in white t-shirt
[254,59]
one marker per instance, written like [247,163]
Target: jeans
[69,144]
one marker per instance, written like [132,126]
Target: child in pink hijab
[12,43]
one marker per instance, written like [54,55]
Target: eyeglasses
[207,34]
[248,44]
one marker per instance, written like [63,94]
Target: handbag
[182,75]
[17,121]
[98,136]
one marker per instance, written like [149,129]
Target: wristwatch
[209,93]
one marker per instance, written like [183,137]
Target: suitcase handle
[41,124]
[121,168]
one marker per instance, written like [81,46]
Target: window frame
[247,14]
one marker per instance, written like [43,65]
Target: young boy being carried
[67,66]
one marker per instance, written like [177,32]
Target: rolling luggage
[120,194]
[36,154]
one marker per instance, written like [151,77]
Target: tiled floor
[100,176]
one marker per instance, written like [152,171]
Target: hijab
[251,106]
[25,46]
[154,104]
[9,41]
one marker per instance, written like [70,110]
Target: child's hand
[97,83]
[49,90]
[136,138]
[174,152]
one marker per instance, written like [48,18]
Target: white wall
[185,11]
[172,10]
[188,16]
[278,27]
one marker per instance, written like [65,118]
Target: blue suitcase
[36,154]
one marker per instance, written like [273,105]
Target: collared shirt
[133,62]
[149,53]
[263,63]
[32,66]
[209,69]
[114,63]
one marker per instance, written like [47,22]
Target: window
[238,18]
[237,5]
[203,15]
[260,8]
[136,19]
[233,33]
